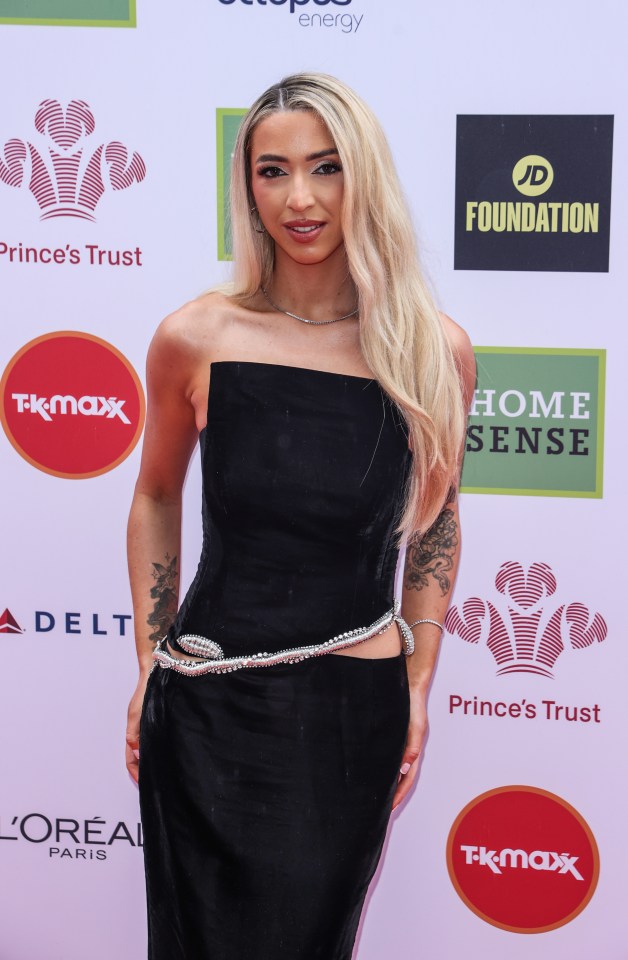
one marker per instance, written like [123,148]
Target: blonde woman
[283,716]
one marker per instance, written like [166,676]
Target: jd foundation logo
[69,13]
[64,171]
[534,175]
[536,425]
[533,192]
[524,629]
[71,405]
[523,859]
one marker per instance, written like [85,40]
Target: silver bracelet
[427,620]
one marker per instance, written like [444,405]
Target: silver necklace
[316,323]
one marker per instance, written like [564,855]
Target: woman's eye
[270,172]
[326,169]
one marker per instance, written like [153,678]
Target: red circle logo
[523,859]
[71,404]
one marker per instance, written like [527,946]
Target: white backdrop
[156,88]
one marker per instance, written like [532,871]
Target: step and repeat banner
[116,133]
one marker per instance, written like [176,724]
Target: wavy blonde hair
[401,333]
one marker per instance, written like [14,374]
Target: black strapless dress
[266,791]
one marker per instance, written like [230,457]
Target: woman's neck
[320,291]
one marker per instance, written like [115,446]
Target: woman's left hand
[417,728]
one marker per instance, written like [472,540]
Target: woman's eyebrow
[275,158]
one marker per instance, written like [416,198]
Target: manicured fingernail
[136,754]
[405,768]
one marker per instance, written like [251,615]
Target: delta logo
[8,623]
[66,173]
[533,193]
[70,623]
[524,631]
[523,859]
[71,405]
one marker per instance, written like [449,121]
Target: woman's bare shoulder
[462,349]
[193,326]
[458,337]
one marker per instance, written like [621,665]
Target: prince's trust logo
[524,631]
[65,175]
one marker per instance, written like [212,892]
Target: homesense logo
[536,425]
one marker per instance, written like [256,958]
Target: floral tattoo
[433,554]
[165,594]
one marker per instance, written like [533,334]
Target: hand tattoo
[433,554]
[165,593]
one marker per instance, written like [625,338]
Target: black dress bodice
[304,474]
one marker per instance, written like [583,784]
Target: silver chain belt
[212,658]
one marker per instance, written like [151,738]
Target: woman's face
[297,185]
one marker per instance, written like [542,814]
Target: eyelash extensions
[270,172]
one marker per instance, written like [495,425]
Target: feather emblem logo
[65,175]
[521,628]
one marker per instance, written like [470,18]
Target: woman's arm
[429,574]
[154,528]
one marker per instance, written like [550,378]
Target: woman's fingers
[405,782]
[133,758]
[417,729]
[409,769]
[133,729]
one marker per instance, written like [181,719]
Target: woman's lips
[304,231]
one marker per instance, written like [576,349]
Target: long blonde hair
[401,334]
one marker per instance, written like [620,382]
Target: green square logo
[69,13]
[228,122]
[536,426]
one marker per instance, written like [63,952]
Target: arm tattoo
[433,554]
[165,594]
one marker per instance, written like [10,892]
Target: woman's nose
[300,194]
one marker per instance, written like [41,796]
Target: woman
[285,711]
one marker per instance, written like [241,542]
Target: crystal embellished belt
[212,659]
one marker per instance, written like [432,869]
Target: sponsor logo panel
[525,628]
[64,169]
[529,626]
[69,13]
[536,425]
[308,13]
[228,120]
[67,623]
[533,192]
[74,838]
[523,859]
[72,405]
[8,623]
